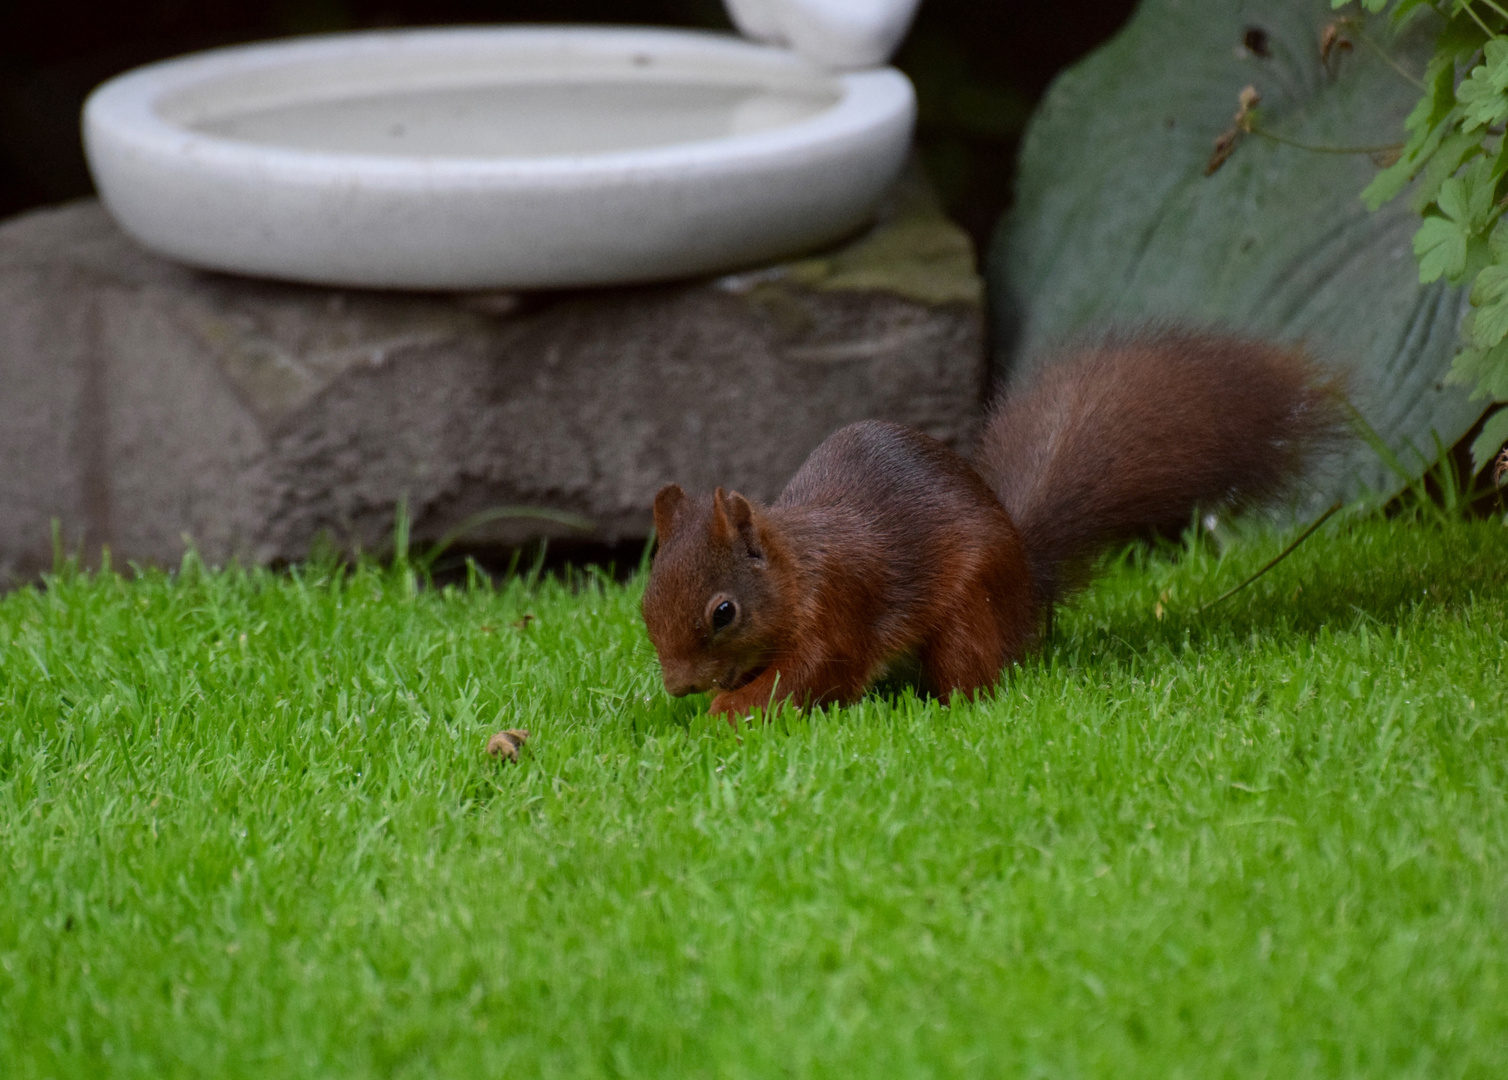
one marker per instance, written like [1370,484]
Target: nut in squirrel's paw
[506,743]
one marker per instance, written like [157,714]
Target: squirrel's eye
[723,614]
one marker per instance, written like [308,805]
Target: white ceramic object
[494,157]
[838,34]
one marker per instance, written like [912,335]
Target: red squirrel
[887,547]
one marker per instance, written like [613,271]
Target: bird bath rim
[137,144]
[136,98]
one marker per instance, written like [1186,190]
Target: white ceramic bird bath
[495,157]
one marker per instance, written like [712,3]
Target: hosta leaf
[1115,223]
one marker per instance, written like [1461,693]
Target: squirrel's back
[896,517]
[1131,436]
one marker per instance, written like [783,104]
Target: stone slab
[144,405]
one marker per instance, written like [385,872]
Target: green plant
[1458,152]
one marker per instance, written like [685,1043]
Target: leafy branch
[1456,158]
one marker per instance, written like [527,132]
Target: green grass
[247,828]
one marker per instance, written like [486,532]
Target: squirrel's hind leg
[966,656]
[992,622]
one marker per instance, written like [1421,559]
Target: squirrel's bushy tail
[1130,437]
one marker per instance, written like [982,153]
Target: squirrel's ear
[738,518]
[666,503]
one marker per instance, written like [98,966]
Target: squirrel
[889,548]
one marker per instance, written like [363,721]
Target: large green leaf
[1115,222]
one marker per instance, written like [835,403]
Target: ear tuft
[667,502]
[722,526]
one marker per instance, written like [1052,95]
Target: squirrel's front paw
[736,706]
[725,705]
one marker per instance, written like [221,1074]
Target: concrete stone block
[144,405]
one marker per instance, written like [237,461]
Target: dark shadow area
[1455,481]
[1401,569]
[563,559]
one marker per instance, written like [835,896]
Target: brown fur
[887,546]
[1129,438]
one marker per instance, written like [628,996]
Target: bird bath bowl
[508,157]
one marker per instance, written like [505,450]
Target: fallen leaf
[506,743]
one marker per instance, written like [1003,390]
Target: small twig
[1320,149]
[1387,57]
[1494,7]
[1331,40]
[1225,145]
[1326,516]
[1466,7]
[1244,122]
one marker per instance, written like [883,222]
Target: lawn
[248,828]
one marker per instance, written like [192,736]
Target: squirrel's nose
[678,682]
